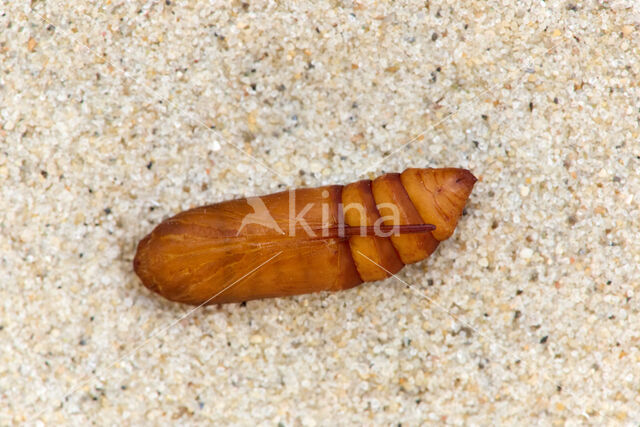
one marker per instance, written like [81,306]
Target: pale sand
[114,117]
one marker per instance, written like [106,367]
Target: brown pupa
[301,241]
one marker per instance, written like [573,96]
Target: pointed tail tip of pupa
[458,180]
[465,176]
[449,190]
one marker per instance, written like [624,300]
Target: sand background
[116,115]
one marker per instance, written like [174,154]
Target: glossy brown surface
[439,196]
[393,201]
[375,257]
[193,256]
[293,243]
